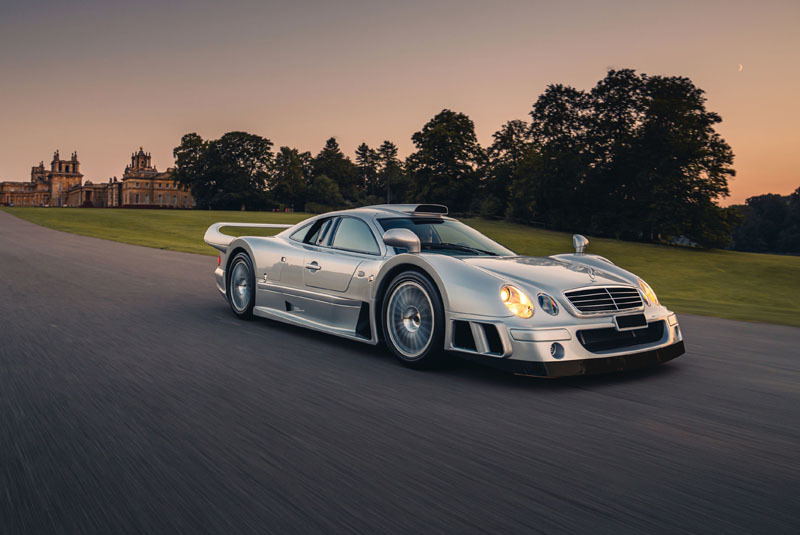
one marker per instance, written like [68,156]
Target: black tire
[412,321]
[240,287]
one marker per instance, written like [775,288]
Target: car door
[283,272]
[328,267]
[331,266]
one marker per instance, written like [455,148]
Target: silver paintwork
[323,288]
[402,238]
[580,243]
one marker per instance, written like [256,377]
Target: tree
[615,115]
[444,169]
[324,195]
[505,156]
[547,186]
[190,168]
[367,163]
[332,163]
[636,157]
[789,238]
[391,176]
[229,172]
[684,163]
[290,177]
[770,224]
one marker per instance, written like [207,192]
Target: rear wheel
[241,286]
[413,320]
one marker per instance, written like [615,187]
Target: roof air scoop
[430,209]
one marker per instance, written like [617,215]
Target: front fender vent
[492,338]
[476,337]
[462,336]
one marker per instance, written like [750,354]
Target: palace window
[175,200]
[137,184]
[137,198]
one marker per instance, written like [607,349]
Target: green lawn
[176,230]
[727,284]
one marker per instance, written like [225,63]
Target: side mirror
[580,243]
[403,238]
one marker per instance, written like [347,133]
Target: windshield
[447,236]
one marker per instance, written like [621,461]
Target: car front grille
[605,299]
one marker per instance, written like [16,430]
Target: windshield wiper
[458,247]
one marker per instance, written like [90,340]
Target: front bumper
[568,346]
[565,368]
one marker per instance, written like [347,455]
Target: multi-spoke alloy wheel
[413,320]
[241,286]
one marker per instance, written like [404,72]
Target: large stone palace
[46,187]
[141,186]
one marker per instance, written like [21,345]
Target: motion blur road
[132,401]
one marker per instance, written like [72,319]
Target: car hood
[545,273]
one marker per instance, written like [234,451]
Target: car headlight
[648,293]
[548,304]
[516,301]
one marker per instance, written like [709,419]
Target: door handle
[313,266]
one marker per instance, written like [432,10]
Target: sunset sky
[105,77]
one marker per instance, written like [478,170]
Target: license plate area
[630,322]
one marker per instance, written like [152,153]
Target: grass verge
[727,284]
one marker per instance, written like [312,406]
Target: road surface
[131,401]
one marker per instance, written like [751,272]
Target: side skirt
[287,317]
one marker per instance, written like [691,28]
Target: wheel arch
[239,245]
[389,271]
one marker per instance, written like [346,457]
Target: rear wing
[219,240]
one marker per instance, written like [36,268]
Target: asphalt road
[131,401]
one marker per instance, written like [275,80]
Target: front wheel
[241,286]
[413,320]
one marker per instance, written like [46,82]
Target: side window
[318,233]
[354,235]
[299,235]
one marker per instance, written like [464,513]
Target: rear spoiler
[219,240]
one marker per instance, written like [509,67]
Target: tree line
[635,157]
[769,224]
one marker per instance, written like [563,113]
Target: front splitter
[569,368]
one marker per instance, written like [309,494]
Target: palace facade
[142,186]
[46,187]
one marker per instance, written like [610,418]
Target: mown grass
[176,230]
[752,287]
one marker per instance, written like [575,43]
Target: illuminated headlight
[516,301]
[548,304]
[648,293]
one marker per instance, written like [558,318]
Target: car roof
[377,210]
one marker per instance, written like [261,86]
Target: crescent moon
[741,67]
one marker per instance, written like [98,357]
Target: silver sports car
[425,283]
